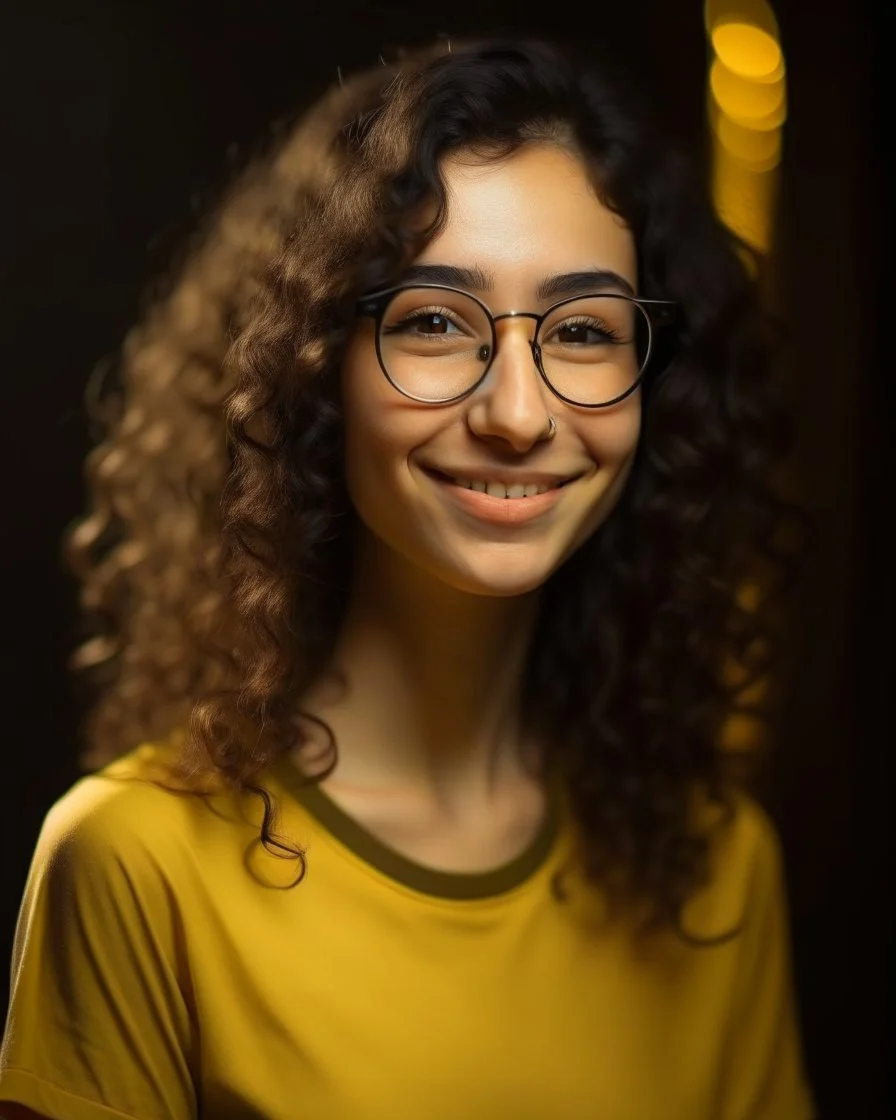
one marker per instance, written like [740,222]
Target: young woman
[448,448]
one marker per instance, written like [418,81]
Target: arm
[99,1023]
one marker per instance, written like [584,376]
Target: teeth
[499,490]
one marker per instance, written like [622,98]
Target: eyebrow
[560,286]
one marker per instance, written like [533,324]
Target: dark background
[119,119]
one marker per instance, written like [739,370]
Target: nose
[512,404]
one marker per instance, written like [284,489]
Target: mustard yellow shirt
[162,970]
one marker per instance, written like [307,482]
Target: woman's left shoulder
[746,833]
[745,862]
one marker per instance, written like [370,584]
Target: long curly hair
[215,560]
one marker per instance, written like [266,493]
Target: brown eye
[590,334]
[433,324]
[424,324]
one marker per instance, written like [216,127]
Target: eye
[424,321]
[584,332]
[433,324]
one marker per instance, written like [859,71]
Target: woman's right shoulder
[124,804]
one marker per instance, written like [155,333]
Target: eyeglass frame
[375,304]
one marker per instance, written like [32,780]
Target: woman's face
[514,225]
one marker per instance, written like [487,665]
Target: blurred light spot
[748,51]
[744,200]
[758,105]
[747,106]
[741,732]
[749,595]
[757,149]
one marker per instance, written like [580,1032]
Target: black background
[119,119]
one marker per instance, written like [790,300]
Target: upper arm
[98,1021]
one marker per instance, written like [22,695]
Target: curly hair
[215,560]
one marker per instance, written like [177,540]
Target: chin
[500,583]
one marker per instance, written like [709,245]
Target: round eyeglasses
[436,344]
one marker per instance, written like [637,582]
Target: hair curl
[215,560]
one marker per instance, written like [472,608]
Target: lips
[506,513]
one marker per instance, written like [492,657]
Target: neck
[432,684]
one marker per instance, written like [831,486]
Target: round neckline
[426,880]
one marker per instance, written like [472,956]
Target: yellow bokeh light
[744,199]
[758,149]
[747,107]
[748,597]
[741,732]
[748,51]
[759,105]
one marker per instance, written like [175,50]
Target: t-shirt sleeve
[98,1024]
[765,1073]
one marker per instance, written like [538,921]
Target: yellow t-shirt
[163,970]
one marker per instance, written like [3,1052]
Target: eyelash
[422,313]
[595,325]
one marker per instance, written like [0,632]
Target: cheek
[612,438]
[612,442]
[364,405]
[381,428]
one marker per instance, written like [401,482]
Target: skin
[442,605]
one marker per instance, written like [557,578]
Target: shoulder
[119,816]
[746,871]
[121,795]
[135,822]
[756,841]
[749,837]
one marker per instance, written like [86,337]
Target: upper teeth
[499,490]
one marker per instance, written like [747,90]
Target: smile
[499,490]
[496,503]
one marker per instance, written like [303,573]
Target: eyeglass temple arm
[368,306]
[662,311]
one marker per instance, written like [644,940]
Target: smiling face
[513,226]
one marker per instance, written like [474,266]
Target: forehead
[529,215]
